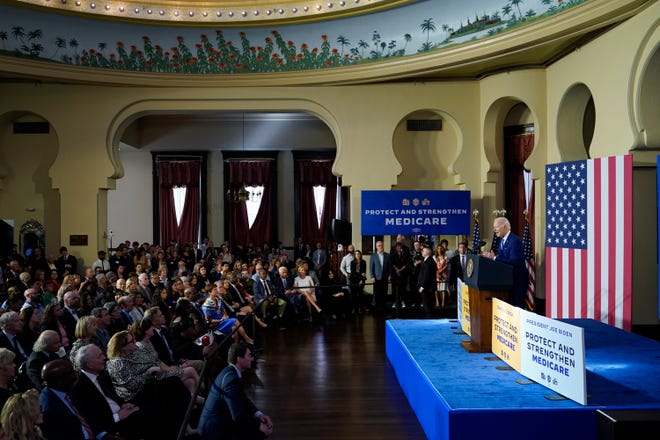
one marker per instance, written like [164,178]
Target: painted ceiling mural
[422,26]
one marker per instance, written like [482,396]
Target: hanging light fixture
[241,194]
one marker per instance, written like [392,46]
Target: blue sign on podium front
[416,212]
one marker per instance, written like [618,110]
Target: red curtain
[250,173]
[173,174]
[316,173]
[517,149]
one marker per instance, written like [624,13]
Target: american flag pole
[529,264]
[476,235]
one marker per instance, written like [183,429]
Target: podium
[486,279]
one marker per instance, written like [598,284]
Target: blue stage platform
[459,395]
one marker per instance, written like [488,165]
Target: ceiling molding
[228,13]
[532,46]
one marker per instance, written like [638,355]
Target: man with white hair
[11,327]
[144,284]
[46,348]
[511,252]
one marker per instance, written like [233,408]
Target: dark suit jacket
[5,343]
[455,269]
[236,295]
[513,253]
[427,275]
[60,423]
[279,286]
[69,324]
[161,348]
[228,413]
[72,262]
[92,404]
[94,407]
[35,363]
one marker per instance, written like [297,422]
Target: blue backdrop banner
[415,212]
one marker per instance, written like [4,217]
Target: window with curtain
[179,200]
[317,199]
[256,177]
[519,187]
[253,203]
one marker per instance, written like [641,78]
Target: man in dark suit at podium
[511,252]
[426,280]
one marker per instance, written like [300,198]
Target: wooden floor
[332,382]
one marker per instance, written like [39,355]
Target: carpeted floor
[436,372]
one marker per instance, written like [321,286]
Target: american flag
[531,267]
[476,236]
[495,244]
[588,252]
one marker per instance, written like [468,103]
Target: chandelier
[238,195]
[242,194]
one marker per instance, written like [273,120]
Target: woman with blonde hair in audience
[68,283]
[21,416]
[85,330]
[7,374]
[304,285]
[143,331]
[135,374]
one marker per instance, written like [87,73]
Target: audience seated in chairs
[334,297]
[139,379]
[270,307]
[305,286]
[216,316]
[47,348]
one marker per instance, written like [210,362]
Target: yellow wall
[365,120]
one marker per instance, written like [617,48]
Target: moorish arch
[426,144]
[576,120]
[29,147]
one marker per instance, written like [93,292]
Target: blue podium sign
[415,212]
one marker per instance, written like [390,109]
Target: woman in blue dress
[216,315]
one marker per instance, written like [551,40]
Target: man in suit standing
[426,280]
[228,414]
[457,266]
[380,269]
[66,264]
[320,260]
[300,250]
[511,252]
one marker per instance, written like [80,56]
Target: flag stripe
[598,234]
[589,240]
[626,248]
[614,232]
